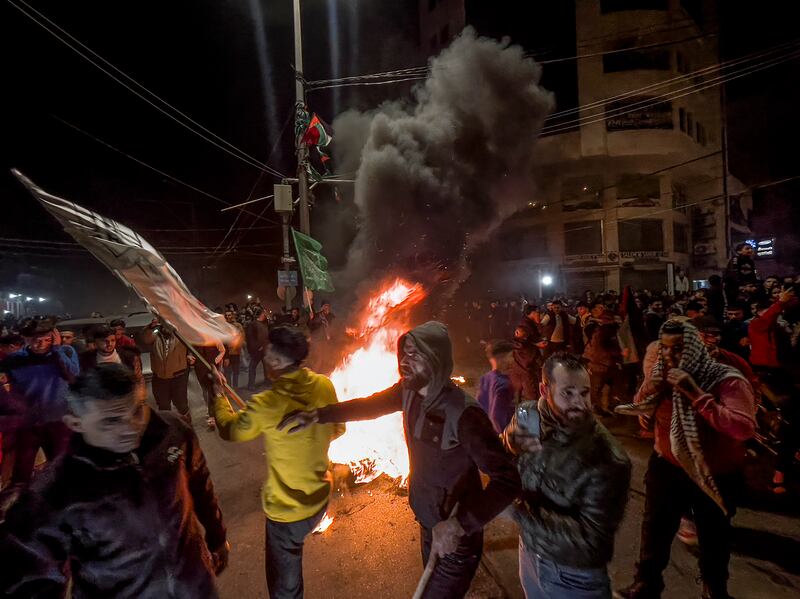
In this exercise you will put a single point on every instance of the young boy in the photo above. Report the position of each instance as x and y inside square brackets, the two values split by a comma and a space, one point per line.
[129, 510]
[496, 394]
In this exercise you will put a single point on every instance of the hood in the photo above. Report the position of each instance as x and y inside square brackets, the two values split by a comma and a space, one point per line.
[433, 342]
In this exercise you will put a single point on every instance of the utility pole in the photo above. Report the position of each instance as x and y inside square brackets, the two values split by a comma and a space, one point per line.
[302, 149]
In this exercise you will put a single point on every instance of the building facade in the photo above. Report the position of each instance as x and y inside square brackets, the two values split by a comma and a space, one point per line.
[632, 181]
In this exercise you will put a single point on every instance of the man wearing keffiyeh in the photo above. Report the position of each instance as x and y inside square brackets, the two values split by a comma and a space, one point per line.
[703, 412]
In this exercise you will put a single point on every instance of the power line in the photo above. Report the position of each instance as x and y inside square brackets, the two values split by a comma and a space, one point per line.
[673, 95]
[243, 156]
[152, 168]
[666, 83]
[327, 83]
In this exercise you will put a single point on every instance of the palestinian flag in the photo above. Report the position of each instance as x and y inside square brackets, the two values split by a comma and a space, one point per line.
[315, 134]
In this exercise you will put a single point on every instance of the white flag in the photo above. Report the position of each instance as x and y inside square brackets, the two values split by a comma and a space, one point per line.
[140, 266]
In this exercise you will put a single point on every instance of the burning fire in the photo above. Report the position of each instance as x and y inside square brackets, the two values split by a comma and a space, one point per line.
[376, 446]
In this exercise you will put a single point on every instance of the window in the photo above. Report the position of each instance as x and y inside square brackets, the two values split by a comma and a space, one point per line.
[680, 237]
[607, 6]
[631, 60]
[700, 132]
[690, 124]
[694, 8]
[681, 63]
[639, 112]
[638, 190]
[583, 237]
[682, 118]
[444, 35]
[679, 198]
[641, 235]
[582, 193]
[519, 243]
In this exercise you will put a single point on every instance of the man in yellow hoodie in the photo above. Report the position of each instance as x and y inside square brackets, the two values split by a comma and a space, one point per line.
[298, 485]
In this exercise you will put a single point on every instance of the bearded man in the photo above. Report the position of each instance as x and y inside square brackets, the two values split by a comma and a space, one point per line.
[450, 439]
[575, 478]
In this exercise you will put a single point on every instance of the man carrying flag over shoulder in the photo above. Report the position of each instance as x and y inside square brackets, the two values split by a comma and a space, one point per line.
[298, 486]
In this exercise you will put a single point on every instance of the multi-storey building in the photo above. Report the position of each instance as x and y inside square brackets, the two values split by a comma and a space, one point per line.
[632, 183]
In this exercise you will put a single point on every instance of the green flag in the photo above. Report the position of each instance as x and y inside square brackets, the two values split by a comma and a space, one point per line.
[313, 265]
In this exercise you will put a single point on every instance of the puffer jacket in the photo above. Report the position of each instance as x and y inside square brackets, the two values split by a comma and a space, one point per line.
[129, 524]
[574, 493]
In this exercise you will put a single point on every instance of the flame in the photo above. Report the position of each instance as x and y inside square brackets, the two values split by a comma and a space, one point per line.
[378, 446]
[459, 380]
[323, 525]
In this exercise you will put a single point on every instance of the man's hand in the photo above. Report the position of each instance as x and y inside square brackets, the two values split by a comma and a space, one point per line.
[521, 442]
[446, 536]
[542, 344]
[298, 421]
[683, 381]
[220, 558]
[190, 359]
[56, 334]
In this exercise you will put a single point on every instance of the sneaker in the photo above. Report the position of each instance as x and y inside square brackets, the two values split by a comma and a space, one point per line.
[638, 590]
[687, 533]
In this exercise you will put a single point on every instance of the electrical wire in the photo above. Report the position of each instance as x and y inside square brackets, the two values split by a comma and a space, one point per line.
[666, 83]
[243, 156]
[424, 70]
[668, 96]
[152, 168]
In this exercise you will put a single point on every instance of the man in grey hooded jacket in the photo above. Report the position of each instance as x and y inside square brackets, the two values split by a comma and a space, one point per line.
[450, 439]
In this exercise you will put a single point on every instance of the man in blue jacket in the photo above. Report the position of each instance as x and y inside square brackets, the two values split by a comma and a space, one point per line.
[36, 378]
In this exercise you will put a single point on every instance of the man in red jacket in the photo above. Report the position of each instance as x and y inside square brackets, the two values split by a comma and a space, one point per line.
[704, 412]
[763, 332]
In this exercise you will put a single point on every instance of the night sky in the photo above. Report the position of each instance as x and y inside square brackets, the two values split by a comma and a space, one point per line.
[203, 57]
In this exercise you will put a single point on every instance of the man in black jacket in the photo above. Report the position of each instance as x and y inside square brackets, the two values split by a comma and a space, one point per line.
[450, 439]
[107, 351]
[122, 510]
[575, 479]
[256, 335]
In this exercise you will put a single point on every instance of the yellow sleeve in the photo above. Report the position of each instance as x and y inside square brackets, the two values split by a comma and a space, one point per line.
[244, 425]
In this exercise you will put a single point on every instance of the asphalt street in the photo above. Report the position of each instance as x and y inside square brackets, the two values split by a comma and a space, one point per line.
[372, 547]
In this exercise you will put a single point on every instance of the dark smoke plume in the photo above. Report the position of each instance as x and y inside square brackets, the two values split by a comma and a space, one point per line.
[436, 175]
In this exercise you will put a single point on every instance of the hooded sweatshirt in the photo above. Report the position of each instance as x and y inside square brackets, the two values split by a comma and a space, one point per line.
[449, 437]
[298, 484]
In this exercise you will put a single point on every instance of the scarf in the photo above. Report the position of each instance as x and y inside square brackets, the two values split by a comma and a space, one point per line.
[684, 438]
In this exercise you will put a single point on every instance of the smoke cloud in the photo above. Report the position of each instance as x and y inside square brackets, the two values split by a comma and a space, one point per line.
[436, 175]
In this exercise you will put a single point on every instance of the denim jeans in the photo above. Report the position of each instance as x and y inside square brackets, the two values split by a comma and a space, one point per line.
[453, 573]
[543, 579]
[283, 555]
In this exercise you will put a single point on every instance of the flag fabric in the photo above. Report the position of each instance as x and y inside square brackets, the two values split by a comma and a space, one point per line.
[140, 266]
[313, 265]
[316, 135]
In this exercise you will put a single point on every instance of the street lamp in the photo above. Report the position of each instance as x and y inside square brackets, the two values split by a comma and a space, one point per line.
[547, 280]
[42, 299]
[27, 299]
[249, 297]
[13, 295]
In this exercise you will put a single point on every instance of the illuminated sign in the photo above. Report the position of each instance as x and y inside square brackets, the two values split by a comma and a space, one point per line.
[764, 248]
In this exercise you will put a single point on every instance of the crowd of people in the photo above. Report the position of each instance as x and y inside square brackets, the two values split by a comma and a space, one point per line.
[125, 506]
